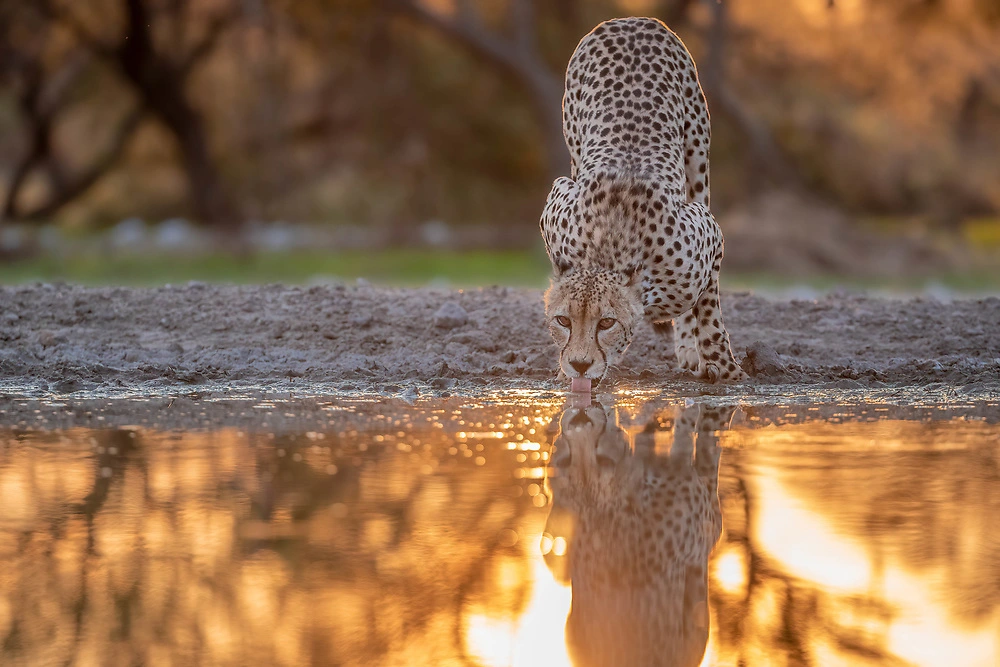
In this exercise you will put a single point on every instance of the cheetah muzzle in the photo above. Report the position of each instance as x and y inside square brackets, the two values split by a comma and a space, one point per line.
[630, 234]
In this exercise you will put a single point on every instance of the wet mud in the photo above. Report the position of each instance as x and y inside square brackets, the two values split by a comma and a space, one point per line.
[208, 340]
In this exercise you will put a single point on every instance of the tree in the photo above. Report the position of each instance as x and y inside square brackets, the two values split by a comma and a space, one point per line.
[43, 93]
[764, 150]
[515, 55]
[158, 77]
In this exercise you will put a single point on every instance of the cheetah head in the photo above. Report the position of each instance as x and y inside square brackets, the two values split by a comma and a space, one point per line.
[591, 314]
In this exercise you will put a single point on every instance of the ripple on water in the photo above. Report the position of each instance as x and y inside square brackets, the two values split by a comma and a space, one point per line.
[319, 531]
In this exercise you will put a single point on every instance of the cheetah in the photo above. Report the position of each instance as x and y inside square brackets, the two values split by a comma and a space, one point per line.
[639, 527]
[630, 234]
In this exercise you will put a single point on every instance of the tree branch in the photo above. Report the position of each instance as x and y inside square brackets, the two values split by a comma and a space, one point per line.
[517, 59]
[763, 147]
[522, 18]
[54, 94]
[180, 10]
[60, 14]
[217, 25]
[466, 29]
[40, 101]
[86, 178]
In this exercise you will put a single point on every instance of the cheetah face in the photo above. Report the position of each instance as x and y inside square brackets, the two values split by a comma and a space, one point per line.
[591, 458]
[591, 315]
[589, 437]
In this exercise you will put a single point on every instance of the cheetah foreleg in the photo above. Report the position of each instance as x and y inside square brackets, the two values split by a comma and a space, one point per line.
[716, 360]
[686, 343]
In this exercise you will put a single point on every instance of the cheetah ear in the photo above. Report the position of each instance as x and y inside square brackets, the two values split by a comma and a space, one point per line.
[561, 266]
[633, 275]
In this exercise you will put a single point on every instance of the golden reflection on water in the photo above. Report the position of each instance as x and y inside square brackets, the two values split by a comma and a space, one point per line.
[506, 535]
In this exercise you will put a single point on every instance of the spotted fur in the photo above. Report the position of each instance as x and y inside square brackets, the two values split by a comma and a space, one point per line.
[635, 212]
[639, 527]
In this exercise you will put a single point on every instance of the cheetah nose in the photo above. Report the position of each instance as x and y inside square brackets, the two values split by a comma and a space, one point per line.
[581, 366]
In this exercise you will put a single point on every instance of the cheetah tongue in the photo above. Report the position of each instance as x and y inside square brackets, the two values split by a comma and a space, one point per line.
[580, 385]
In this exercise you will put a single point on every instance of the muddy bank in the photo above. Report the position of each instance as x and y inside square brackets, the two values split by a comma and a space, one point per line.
[58, 339]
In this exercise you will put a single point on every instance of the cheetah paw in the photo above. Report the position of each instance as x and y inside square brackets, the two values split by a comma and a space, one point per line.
[738, 376]
[710, 373]
[713, 374]
[687, 358]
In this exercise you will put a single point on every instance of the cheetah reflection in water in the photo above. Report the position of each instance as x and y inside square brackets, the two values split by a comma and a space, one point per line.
[639, 527]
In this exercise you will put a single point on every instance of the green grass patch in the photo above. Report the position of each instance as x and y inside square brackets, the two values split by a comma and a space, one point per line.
[983, 232]
[972, 281]
[400, 267]
[394, 267]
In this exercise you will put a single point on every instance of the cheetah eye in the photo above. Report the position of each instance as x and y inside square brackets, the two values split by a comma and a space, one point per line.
[563, 321]
[606, 323]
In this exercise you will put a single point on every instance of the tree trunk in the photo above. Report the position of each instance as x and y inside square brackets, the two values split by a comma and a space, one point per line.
[675, 12]
[764, 150]
[160, 83]
[39, 124]
[209, 199]
[546, 94]
[37, 152]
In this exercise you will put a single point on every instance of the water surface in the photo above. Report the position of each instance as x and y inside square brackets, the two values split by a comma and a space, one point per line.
[528, 533]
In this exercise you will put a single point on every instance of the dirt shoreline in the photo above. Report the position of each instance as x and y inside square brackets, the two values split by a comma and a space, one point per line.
[62, 340]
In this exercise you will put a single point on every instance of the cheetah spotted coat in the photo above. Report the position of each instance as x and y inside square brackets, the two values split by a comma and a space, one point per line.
[637, 127]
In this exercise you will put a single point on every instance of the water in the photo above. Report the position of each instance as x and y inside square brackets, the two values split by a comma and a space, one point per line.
[525, 532]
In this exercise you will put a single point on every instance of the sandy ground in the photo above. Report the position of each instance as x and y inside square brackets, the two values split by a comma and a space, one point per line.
[67, 340]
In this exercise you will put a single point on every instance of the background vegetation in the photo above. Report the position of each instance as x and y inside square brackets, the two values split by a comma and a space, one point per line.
[388, 114]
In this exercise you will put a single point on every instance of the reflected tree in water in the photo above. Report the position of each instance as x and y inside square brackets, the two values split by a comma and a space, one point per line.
[394, 540]
[222, 548]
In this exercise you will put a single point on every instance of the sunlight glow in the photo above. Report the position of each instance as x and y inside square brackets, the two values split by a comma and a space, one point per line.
[536, 637]
[921, 632]
[844, 11]
[807, 547]
[730, 569]
[859, 557]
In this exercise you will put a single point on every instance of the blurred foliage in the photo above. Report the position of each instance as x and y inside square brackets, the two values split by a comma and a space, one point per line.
[398, 111]
[405, 267]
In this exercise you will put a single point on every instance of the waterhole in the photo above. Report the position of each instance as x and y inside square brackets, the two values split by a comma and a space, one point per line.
[521, 532]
